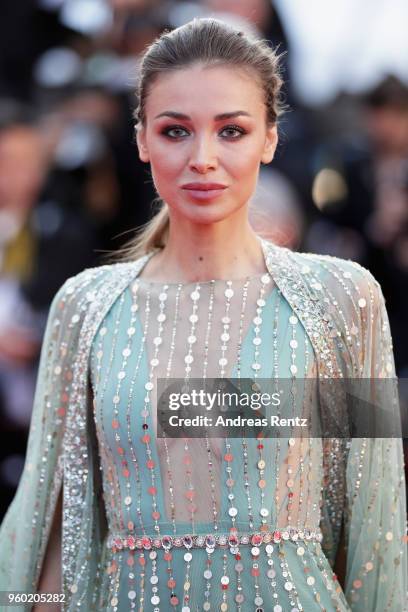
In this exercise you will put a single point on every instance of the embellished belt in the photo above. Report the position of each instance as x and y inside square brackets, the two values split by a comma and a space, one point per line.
[210, 541]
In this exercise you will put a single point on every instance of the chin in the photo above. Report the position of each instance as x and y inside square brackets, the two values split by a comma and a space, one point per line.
[200, 212]
[206, 215]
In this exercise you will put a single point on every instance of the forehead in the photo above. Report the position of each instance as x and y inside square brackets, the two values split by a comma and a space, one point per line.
[202, 90]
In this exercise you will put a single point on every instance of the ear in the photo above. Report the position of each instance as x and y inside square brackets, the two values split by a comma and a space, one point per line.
[141, 143]
[271, 141]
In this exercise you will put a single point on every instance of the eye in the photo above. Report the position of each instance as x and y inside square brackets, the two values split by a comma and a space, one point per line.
[175, 131]
[233, 132]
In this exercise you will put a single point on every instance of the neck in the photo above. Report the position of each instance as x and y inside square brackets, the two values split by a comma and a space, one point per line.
[203, 252]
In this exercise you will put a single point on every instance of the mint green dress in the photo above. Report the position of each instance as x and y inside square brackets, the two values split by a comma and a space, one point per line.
[207, 523]
[296, 574]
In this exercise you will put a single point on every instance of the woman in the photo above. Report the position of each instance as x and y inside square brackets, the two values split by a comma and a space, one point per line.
[160, 523]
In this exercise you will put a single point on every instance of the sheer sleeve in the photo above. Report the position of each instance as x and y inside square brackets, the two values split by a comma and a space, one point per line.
[25, 530]
[375, 515]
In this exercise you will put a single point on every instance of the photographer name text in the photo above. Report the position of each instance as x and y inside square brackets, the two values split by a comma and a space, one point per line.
[238, 421]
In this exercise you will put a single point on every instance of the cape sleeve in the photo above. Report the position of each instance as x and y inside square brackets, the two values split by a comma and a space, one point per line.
[375, 512]
[364, 490]
[26, 526]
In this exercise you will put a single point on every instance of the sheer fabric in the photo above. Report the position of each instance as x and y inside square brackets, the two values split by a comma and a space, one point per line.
[311, 486]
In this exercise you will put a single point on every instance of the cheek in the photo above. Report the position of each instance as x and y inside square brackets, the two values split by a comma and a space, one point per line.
[167, 167]
[244, 175]
[243, 162]
[165, 164]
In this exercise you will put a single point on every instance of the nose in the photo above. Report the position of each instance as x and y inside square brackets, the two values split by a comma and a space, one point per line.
[203, 155]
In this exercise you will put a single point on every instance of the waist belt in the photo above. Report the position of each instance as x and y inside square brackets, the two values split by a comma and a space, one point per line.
[211, 541]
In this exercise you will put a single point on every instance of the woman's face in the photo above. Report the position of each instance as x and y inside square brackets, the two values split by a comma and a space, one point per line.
[205, 136]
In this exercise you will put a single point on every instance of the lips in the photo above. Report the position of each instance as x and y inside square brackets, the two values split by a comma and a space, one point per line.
[203, 186]
[204, 192]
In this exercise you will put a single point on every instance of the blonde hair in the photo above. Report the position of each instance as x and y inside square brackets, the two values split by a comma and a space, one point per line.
[211, 42]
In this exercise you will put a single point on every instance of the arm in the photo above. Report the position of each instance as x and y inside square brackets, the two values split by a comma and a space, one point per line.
[27, 523]
[50, 580]
[340, 562]
[62, 452]
[375, 518]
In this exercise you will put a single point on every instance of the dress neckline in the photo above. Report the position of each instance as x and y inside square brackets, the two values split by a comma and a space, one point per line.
[214, 281]
[246, 278]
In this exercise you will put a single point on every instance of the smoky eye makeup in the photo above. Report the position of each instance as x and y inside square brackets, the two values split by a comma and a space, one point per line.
[227, 132]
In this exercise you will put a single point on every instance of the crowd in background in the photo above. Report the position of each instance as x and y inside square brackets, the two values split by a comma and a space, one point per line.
[72, 188]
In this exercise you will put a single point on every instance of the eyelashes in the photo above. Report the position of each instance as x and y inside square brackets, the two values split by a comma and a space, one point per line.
[178, 132]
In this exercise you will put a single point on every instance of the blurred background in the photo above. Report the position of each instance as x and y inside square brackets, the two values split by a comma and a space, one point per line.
[72, 187]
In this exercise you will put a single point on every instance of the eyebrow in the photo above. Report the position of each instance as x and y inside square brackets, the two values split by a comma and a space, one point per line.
[221, 117]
